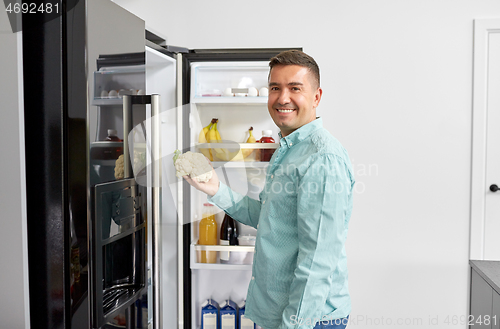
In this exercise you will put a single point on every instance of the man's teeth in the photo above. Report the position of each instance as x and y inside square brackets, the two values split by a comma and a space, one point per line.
[285, 111]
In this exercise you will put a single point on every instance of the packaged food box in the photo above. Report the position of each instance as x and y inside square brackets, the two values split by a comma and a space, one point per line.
[210, 314]
[229, 315]
[244, 322]
[247, 240]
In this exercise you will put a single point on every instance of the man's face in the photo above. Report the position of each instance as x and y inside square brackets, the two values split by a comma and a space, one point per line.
[293, 97]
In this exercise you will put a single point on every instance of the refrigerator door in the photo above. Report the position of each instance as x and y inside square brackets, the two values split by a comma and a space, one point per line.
[164, 131]
[115, 52]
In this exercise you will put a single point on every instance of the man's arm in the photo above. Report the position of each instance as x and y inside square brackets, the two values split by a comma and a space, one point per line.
[243, 209]
[322, 206]
[239, 207]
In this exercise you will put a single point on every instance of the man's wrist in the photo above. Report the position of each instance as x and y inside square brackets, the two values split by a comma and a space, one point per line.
[216, 190]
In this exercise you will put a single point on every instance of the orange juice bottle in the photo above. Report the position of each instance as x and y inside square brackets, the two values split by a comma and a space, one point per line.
[208, 233]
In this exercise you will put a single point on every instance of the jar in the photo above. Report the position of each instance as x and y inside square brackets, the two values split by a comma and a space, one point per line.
[112, 136]
[266, 154]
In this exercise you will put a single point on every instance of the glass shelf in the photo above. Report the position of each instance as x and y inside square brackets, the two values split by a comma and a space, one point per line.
[231, 145]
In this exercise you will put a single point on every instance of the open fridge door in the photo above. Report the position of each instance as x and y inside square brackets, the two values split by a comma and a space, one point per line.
[166, 202]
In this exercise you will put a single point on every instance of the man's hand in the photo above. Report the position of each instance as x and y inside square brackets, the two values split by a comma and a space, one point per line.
[211, 187]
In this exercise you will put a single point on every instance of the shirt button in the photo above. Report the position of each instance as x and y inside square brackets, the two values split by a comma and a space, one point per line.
[257, 225]
[291, 144]
[272, 176]
[253, 278]
[264, 202]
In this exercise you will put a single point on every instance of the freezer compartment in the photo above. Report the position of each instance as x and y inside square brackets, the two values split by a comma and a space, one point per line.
[228, 79]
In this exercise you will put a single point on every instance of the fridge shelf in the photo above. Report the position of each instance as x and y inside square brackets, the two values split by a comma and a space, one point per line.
[232, 145]
[231, 100]
[225, 267]
[240, 164]
[195, 248]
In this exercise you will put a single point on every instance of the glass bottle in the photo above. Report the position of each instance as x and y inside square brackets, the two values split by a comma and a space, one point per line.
[208, 233]
[228, 236]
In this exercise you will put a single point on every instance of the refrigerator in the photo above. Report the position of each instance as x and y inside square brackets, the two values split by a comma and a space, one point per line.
[112, 232]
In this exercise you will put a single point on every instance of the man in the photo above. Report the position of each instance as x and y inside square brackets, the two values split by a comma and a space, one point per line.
[299, 274]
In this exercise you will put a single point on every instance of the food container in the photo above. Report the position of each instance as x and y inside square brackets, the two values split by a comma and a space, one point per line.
[246, 240]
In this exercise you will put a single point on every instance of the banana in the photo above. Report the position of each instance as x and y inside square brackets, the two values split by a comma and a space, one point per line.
[212, 138]
[203, 139]
[251, 139]
[203, 133]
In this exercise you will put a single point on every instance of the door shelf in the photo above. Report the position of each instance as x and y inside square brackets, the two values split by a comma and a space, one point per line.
[244, 263]
[107, 101]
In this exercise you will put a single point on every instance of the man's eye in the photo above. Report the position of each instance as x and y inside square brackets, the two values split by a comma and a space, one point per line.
[274, 88]
[295, 88]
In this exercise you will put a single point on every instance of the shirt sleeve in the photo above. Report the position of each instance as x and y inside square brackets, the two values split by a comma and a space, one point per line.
[242, 208]
[322, 208]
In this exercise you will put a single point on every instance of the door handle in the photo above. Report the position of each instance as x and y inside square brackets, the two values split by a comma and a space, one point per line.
[494, 188]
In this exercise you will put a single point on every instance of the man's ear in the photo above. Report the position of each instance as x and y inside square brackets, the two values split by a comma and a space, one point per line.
[317, 97]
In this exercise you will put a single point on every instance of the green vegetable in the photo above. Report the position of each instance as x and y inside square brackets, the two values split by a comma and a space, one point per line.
[176, 155]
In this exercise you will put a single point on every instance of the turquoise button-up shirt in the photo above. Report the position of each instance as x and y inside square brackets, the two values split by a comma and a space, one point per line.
[299, 272]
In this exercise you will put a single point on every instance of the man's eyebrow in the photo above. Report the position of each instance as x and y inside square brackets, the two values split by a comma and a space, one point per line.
[289, 84]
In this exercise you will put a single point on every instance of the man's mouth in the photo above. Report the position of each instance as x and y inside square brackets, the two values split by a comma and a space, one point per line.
[285, 110]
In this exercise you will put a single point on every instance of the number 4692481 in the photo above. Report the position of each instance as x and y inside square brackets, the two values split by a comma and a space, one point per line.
[32, 8]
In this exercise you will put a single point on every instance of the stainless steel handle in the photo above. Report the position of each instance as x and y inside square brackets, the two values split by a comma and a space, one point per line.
[127, 127]
[155, 204]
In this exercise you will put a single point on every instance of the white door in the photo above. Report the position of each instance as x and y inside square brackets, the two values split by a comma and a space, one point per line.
[485, 201]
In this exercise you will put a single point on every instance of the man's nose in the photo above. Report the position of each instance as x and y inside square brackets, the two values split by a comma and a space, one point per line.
[284, 97]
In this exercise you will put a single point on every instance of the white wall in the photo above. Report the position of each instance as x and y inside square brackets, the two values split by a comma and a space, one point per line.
[397, 82]
[14, 301]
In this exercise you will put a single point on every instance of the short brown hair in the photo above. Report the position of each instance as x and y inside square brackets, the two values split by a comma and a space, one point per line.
[296, 57]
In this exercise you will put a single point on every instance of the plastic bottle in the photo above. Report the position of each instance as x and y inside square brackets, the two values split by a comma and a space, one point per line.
[112, 136]
[266, 154]
[208, 233]
[228, 237]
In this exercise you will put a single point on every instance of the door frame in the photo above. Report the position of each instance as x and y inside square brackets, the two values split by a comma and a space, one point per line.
[483, 28]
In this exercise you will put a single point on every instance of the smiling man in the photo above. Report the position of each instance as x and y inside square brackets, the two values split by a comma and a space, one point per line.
[299, 274]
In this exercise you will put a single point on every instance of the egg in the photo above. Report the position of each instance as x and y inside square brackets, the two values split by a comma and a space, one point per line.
[228, 92]
[133, 92]
[104, 94]
[113, 93]
[264, 92]
[140, 92]
[252, 92]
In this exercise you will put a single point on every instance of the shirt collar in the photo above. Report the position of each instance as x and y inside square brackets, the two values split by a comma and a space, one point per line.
[301, 133]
